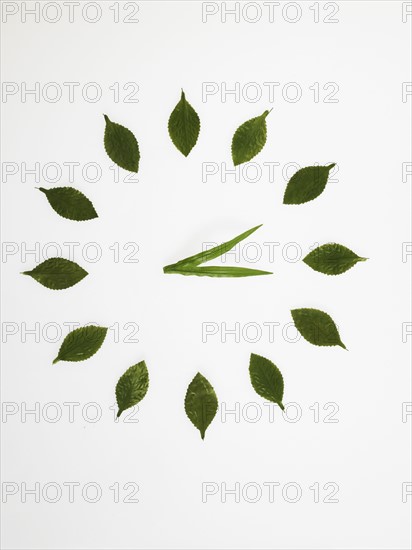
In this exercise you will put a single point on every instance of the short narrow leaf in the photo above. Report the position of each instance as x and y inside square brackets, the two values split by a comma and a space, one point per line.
[307, 184]
[249, 139]
[57, 273]
[317, 327]
[132, 387]
[216, 251]
[121, 146]
[184, 126]
[81, 343]
[70, 203]
[200, 403]
[332, 259]
[266, 379]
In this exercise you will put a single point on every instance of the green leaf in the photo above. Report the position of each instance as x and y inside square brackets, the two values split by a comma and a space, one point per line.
[217, 271]
[81, 343]
[121, 146]
[249, 139]
[307, 184]
[184, 126]
[57, 273]
[188, 266]
[332, 259]
[266, 379]
[216, 251]
[200, 403]
[317, 327]
[132, 387]
[70, 203]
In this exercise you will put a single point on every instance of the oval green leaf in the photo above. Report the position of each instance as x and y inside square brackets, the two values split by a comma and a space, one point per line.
[307, 184]
[249, 139]
[70, 203]
[57, 273]
[132, 387]
[332, 259]
[184, 126]
[81, 343]
[317, 327]
[200, 403]
[121, 146]
[266, 378]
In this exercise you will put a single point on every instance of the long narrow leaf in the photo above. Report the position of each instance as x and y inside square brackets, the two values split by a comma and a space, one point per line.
[215, 271]
[214, 252]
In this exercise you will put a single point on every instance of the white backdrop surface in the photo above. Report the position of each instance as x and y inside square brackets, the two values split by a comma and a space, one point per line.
[167, 214]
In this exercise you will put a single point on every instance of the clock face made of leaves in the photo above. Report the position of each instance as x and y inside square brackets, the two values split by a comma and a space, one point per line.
[316, 326]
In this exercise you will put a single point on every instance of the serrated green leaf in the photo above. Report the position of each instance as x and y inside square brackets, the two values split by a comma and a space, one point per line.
[317, 327]
[121, 146]
[184, 126]
[132, 387]
[307, 184]
[57, 273]
[249, 139]
[188, 266]
[81, 343]
[266, 379]
[200, 403]
[332, 259]
[70, 203]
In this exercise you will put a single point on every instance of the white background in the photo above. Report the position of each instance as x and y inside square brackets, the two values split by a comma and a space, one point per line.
[170, 212]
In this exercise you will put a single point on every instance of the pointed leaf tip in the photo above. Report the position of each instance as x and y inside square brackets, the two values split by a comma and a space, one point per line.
[184, 126]
[306, 184]
[121, 146]
[70, 203]
[316, 327]
[249, 139]
[80, 344]
[57, 273]
[201, 403]
[132, 386]
[266, 379]
[332, 259]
